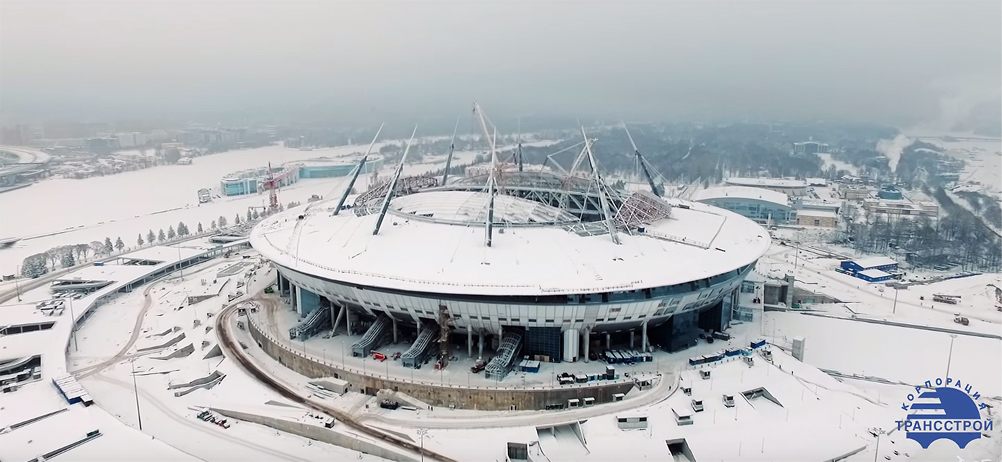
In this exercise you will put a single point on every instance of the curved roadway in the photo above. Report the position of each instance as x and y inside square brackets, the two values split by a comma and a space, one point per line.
[232, 350]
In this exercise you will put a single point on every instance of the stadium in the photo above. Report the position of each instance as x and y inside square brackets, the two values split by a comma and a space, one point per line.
[520, 262]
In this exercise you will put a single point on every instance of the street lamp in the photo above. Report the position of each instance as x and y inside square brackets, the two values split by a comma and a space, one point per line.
[422, 432]
[135, 389]
[949, 357]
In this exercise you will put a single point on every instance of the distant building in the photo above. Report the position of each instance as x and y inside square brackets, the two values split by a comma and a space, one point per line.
[891, 209]
[890, 192]
[327, 167]
[131, 139]
[873, 269]
[760, 205]
[102, 144]
[810, 147]
[171, 152]
[853, 192]
[253, 180]
[788, 186]
[821, 218]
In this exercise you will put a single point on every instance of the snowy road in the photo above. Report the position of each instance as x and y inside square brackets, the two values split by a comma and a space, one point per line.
[239, 445]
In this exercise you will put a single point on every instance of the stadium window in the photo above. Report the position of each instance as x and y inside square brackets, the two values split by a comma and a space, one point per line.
[614, 310]
[503, 319]
[515, 320]
[532, 320]
[549, 320]
[579, 320]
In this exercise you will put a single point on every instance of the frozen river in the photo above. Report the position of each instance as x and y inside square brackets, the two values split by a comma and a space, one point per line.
[65, 211]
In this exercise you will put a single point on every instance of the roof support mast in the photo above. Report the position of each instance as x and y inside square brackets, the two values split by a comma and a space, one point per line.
[492, 179]
[354, 175]
[452, 149]
[643, 164]
[491, 192]
[393, 184]
[601, 188]
[519, 149]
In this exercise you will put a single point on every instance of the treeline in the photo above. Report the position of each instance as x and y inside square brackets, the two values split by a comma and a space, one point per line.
[66, 256]
[958, 238]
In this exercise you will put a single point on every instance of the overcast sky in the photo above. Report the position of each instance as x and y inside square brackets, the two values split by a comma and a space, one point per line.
[899, 62]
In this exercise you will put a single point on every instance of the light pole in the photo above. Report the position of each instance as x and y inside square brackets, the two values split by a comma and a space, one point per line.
[73, 325]
[422, 432]
[135, 389]
[949, 357]
[895, 308]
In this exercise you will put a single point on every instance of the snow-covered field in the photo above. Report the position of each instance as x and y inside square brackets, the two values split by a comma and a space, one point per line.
[130, 203]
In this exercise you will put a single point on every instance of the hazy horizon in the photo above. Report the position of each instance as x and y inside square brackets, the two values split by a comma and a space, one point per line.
[893, 62]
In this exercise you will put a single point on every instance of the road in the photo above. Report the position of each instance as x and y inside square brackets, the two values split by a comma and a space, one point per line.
[151, 400]
[832, 278]
[136, 330]
[232, 350]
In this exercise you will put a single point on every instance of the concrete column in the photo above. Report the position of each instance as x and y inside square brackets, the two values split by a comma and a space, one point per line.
[571, 348]
[394, 320]
[299, 301]
[608, 341]
[643, 341]
[340, 314]
[500, 334]
[469, 342]
[480, 347]
[347, 319]
[633, 339]
[586, 338]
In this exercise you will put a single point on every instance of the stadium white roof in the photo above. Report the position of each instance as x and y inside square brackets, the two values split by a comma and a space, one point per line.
[767, 182]
[742, 192]
[425, 256]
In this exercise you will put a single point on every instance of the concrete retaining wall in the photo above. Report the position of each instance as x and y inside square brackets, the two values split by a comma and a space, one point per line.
[318, 433]
[484, 398]
[199, 381]
[178, 353]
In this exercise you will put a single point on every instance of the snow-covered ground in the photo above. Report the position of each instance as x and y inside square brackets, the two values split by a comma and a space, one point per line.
[132, 203]
[172, 419]
[982, 158]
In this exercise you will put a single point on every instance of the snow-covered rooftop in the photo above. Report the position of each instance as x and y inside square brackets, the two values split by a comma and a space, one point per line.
[408, 254]
[873, 262]
[742, 192]
[816, 213]
[874, 273]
